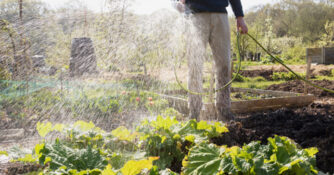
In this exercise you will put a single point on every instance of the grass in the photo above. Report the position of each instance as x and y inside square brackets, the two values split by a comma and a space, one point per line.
[245, 64]
[324, 78]
[255, 84]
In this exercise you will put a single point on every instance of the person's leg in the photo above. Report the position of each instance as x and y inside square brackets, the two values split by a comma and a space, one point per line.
[220, 42]
[197, 39]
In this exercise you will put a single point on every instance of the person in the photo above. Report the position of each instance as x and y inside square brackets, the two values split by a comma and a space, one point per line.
[210, 24]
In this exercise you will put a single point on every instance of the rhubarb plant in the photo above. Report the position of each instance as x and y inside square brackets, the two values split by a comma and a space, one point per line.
[163, 147]
[280, 156]
[170, 139]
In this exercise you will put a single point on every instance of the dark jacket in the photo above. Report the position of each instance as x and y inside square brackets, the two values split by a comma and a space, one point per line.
[218, 6]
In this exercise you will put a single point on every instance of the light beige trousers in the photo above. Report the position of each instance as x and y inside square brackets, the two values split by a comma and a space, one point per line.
[212, 28]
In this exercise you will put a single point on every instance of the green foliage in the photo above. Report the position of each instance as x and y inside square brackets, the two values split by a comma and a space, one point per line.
[267, 60]
[3, 153]
[259, 79]
[170, 139]
[123, 134]
[326, 39]
[293, 55]
[28, 158]
[283, 28]
[286, 76]
[133, 167]
[65, 160]
[280, 156]
[203, 159]
[171, 112]
[289, 158]
[86, 103]
[59, 55]
[144, 82]
[4, 74]
[240, 78]
[59, 155]
[78, 128]
[82, 136]
[155, 171]
[161, 144]
[44, 128]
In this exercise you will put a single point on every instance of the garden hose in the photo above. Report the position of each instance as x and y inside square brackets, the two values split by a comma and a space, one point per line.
[239, 68]
[282, 63]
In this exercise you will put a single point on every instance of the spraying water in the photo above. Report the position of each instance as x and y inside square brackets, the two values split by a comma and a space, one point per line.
[133, 53]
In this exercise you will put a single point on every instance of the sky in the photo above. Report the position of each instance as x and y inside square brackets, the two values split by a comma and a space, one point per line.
[149, 6]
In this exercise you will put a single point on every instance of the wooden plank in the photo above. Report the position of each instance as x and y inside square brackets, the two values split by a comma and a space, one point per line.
[283, 99]
[308, 73]
[329, 55]
[316, 54]
[271, 104]
[323, 55]
[240, 107]
[254, 91]
[314, 51]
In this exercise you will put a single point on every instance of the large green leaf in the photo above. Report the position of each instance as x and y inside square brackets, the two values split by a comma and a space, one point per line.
[171, 140]
[164, 123]
[134, 167]
[4, 153]
[203, 159]
[44, 128]
[78, 159]
[123, 134]
[289, 158]
[108, 171]
[280, 156]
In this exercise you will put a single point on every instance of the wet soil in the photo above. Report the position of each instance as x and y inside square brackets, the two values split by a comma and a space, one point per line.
[18, 168]
[267, 73]
[325, 72]
[299, 86]
[316, 70]
[312, 126]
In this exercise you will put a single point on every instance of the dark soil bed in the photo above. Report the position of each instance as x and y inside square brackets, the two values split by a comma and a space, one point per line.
[299, 86]
[311, 126]
[18, 168]
[267, 73]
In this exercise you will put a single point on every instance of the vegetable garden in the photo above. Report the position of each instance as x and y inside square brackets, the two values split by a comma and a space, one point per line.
[90, 92]
[163, 146]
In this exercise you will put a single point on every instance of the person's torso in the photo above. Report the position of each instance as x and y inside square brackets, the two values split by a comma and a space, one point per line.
[198, 6]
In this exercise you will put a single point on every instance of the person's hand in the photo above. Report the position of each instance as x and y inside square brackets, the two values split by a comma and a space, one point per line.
[242, 26]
